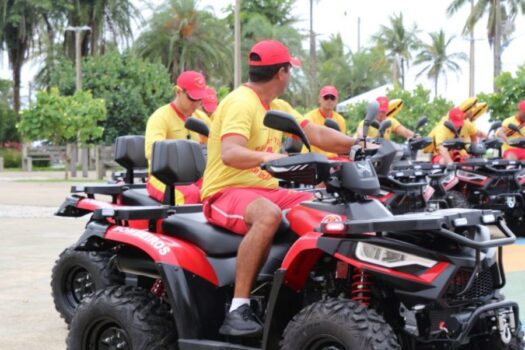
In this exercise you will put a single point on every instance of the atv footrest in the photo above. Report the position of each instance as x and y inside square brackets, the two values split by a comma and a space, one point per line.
[193, 344]
[132, 213]
[90, 190]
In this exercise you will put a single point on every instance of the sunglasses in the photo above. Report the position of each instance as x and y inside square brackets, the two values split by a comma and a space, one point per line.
[329, 97]
[189, 97]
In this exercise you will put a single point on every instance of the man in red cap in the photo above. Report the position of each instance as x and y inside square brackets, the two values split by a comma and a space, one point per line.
[328, 97]
[210, 101]
[441, 134]
[167, 123]
[507, 134]
[382, 114]
[236, 193]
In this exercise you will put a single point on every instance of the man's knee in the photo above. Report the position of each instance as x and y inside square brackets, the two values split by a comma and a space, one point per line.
[263, 211]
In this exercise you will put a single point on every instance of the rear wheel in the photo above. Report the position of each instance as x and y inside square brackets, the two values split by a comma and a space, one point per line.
[516, 224]
[77, 275]
[124, 318]
[338, 325]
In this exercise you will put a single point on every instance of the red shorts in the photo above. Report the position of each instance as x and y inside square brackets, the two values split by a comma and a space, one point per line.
[191, 193]
[456, 156]
[514, 153]
[226, 208]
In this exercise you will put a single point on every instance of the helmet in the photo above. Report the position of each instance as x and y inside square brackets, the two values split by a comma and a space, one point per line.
[394, 107]
[466, 105]
[479, 109]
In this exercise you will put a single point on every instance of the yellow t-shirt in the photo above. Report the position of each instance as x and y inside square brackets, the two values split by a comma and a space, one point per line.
[242, 113]
[468, 131]
[510, 133]
[373, 132]
[316, 117]
[166, 124]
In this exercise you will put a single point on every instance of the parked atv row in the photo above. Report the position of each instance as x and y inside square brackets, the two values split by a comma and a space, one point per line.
[343, 272]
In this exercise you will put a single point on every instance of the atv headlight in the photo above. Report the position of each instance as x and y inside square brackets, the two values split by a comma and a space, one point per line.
[389, 257]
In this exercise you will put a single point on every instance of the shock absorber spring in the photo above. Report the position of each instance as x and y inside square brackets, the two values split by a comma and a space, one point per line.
[361, 287]
[158, 289]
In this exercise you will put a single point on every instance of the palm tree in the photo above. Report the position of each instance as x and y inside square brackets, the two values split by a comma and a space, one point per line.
[499, 12]
[436, 59]
[182, 37]
[398, 42]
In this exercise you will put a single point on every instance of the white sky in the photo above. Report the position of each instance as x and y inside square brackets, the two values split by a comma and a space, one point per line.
[340, 16]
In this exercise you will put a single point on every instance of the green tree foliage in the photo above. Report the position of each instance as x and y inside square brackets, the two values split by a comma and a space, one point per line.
[181, 37]
[511, 90]
[278, 12]
[132, 88]
[437, 60]
[417, 103]
[399, 42]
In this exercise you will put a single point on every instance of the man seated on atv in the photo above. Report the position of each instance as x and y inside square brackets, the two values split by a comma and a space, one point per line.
[167, 123]
[507, 134]
[384, 113]
[440, 134]
[328, 97]
[236, 193]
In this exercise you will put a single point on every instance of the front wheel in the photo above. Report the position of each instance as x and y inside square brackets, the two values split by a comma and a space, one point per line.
[124, 318]
[338, 325]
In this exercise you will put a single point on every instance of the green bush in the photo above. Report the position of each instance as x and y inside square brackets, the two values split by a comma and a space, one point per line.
[12, 157]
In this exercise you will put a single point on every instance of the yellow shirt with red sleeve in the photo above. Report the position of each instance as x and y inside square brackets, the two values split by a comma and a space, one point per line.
[441, 133]
[242, 113]
[317, 117]
[166, 123]
[373, 132]
[510, 133]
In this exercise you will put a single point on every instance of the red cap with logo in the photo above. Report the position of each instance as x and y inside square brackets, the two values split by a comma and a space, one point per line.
[328, 90]
[521, 106]
[457, 117]
[271, 52]
[210, 101]
[194, 83]
[383, 103]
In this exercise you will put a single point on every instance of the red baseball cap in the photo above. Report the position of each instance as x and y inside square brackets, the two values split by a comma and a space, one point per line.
[521, 106]
[457, 117]
[383, 103]
[328, 90]
[271, 52]
[194, 83]
[210, 101]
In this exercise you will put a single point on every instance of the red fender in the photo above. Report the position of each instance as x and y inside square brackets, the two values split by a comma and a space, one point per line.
[165, 249]
[304, 220]
[93, 204]
[300, 259]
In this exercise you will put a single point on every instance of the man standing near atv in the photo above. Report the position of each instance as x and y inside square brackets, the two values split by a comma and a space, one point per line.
[167, 123]
[328, 98]
[237, 194]
[507, 134]
[383, 114]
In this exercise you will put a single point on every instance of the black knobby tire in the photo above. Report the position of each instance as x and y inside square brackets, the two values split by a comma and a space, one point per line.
[456, 199]
[77, 275]
[125, 318]
[338, 325]
[516, 224]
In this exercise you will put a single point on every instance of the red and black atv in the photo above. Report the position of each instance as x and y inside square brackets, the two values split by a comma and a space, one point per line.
[343, 273]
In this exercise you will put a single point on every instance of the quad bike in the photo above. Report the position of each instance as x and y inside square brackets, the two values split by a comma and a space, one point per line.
[342, 273]
[491, 183]
[77, 273]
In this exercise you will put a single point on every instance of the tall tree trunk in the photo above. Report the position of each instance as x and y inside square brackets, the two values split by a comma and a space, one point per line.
[313, 53]
[17, 68]
[497, 42]
[403, 73]
[436, 86]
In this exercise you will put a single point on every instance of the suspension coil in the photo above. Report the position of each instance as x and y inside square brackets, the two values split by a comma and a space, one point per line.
[158, 289]
[361, 287]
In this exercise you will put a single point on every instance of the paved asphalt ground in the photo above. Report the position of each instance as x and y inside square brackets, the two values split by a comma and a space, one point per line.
[31, 239]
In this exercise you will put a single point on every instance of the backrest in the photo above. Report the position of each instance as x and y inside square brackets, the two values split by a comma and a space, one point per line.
[177, 162]
[129, 151]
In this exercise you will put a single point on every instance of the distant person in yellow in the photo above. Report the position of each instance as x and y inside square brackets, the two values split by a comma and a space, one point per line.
[167, 123]
[440, 134]
[382, 114]
[210, 102]
[328, 98]
[507, 134]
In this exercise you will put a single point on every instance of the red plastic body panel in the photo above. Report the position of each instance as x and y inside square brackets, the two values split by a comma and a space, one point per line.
[165, 249]
[300, 259]
[304, 220]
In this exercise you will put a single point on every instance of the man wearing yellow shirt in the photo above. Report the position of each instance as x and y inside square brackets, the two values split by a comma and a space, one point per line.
[210, 102]
[167, 123]
[441, 133]
[328, 97]
[507, 134]
[382, 114]
[236, 193]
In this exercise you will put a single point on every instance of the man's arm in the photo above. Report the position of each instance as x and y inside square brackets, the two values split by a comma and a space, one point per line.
[328, 139]
[445, 154]
[402, 131]
[359, 132]
[156, 130]
[502, 135]
[235, 154]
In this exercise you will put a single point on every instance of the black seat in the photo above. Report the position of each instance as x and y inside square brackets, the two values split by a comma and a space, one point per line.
[213, 240]
[138, 196]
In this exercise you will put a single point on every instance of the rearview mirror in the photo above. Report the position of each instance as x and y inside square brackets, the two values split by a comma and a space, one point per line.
[494, 126]
[197, 125]
[422, 121]
[371, 113]
[451, 127]
[375, 124]
[286, 123]
[330, 123]
[515, 128]
[385, 124]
